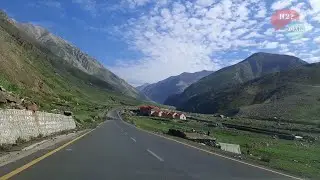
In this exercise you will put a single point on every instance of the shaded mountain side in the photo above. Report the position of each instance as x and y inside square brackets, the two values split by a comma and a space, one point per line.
[253, 67]
[291, 95]
[28, 69]
[161, 90]
[140, 88]
[77, 58]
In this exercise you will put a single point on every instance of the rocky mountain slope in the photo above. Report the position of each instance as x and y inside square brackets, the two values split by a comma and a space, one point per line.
[30, 70]
[76, 57]
[255, 66]
[161, 90]
[290, 95]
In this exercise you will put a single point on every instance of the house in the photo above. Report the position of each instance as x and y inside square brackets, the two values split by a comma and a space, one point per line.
[148, 110]
[157, 113]
[172, 115]
[167, 114]
[180, 116]
[144, 110]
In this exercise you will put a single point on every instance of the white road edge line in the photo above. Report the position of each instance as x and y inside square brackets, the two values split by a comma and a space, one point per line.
[133, 139]
[155, 155]
[210, 152]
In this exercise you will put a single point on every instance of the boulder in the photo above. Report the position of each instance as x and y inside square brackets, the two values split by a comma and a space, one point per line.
[222, 116]
[11, 98]
[33, 107]
[3, 98]
[67, 113]
[178, 133]
[2, 89]
[18, 106]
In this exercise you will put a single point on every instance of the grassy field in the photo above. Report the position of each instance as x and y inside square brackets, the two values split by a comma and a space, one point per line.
[295, 157]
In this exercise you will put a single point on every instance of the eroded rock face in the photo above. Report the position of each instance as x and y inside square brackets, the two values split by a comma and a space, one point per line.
[33, 107]
[9, 99]
[12, 101]
[2, 98]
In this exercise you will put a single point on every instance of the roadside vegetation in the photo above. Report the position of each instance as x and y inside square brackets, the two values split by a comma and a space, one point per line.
[300, 158]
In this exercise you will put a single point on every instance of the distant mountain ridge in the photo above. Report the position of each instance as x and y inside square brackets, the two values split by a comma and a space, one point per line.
[161, 90]
[256, 65]
[289, 95]
[77, 58]
[140, 88]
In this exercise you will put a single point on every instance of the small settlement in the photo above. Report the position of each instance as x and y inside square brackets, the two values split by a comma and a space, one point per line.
[157, 112]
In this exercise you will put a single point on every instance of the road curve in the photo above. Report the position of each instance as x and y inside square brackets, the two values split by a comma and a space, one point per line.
[116, 150]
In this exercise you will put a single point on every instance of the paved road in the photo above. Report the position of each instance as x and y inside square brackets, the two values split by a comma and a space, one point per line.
[118, 151]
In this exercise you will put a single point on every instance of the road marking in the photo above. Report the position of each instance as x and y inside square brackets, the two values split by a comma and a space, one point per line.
[203, 150]
[155, 155]
[133, 139]
[26, 166]
[34, 145]
[118, 126]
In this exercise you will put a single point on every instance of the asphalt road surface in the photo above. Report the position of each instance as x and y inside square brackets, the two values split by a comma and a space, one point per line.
[117, 151]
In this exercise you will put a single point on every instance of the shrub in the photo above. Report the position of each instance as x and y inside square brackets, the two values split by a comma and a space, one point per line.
[5, 147]
[40, 135]
[20, 140]
[265, 158]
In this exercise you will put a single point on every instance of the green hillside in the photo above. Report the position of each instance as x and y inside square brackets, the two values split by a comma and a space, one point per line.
[293, 95]
[30, 70]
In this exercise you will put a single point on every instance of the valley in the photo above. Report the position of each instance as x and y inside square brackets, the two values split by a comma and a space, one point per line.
[268, 105]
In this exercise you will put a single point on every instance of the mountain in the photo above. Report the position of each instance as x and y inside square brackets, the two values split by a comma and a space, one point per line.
[140, 88]
[255, 66]
[31, 71]
[289, 95]
[161, 90]
[76, 57]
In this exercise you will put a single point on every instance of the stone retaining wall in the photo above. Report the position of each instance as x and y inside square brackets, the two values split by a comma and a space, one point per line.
[23, 124]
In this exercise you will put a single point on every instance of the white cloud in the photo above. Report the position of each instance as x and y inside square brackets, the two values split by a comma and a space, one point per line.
[270, 45]
[313, 59]
[317, 40]
[315, 5]
[253, 35]
[204, 3]
[281, 4]
[137, 3]
[300, 41]
[88, 5]
[262, 10]
[316, 18]
[180, 36]
[184, 37]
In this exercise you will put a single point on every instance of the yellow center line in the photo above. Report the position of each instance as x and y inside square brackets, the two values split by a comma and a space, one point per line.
[33, 162]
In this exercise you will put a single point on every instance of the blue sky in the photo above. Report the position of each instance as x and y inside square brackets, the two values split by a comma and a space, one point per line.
[149, 40]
